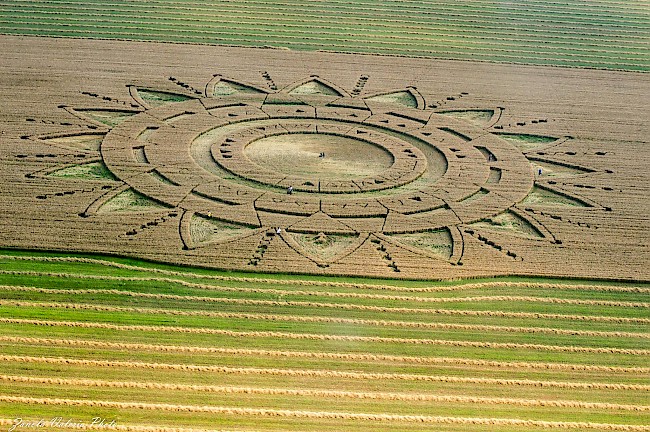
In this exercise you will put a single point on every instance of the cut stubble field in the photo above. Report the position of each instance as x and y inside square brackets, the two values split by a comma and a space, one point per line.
[245, 352]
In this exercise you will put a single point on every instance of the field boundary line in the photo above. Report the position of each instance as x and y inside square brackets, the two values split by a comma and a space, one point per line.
[319, 283]
[393, 37]
[266, 412]
[343, 45]
[327, 355]
[414, 397]
[482, 46]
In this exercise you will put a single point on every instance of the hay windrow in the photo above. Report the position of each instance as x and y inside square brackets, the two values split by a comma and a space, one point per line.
[328, 374]
[448, 312]
[284, 293]
[329, 337]
[388, 323]
[320, 393]
[318, 414]
[329, 355]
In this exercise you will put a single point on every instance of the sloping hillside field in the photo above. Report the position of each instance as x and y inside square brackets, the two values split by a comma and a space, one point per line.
[607, 34]
[147, 347]
[398, 167]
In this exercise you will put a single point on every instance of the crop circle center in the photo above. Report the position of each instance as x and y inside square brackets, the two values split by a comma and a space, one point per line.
[328, 156]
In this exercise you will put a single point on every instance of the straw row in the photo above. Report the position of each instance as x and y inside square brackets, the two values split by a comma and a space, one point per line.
[347, 321]
[343, 306]
[355, 11]
[496, 284]
[293, 32]
[317, 373]
[326, 294]
[388, 27]
[408, 397]
[318, 414]
[326, 355]
[327, 337]
[546, 8]
[473, 31]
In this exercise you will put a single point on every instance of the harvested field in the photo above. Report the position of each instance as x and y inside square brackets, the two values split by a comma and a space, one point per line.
[609, 34]
[167, 348]
[430, 169]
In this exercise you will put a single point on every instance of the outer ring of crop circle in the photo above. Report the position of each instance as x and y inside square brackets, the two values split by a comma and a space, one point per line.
[188, 120]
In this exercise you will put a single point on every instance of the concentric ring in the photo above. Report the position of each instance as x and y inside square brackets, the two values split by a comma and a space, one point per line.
[408, 162]
[191, 155]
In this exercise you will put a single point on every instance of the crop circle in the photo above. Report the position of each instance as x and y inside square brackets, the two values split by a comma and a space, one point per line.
[349, 170]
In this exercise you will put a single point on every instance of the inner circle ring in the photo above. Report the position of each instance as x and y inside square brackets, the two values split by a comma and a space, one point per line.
[408, 164]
